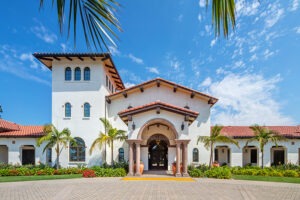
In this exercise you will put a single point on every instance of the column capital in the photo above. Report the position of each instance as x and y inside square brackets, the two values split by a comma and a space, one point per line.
[136, 141]
[182, 141]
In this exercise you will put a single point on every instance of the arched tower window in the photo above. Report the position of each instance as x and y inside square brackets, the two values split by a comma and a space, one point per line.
[121, 155]
[68, 74]
[77, 151]
[87, 108]
[77, 74]
[195, 155]
[87, 74]
[67, 110]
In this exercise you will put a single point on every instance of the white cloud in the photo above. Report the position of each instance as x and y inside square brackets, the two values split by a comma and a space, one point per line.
[43, 33]
[247, 99]
[253, 57]
[199, 17]
[213, 42]
[294, 5]
[202, 3]
[206, 82]
[135, 59]
[29, 57]
[13, 63]
[267, 53]
[297, 29]
[253, 48]
[274, 14]
[246, 8]
[113, 50]
[153, 70]
[127, 84]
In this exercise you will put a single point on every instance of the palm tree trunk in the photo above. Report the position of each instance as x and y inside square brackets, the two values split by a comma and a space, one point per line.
[57, 156]
[262, 158]
[211, 154]
[112, 153]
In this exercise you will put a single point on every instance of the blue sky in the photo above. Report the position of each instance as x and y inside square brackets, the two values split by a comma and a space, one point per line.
[255, 73]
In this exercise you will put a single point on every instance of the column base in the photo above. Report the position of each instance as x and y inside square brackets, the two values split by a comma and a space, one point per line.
[130, 174]
[138, 174]
[178, 175]
[185, 175]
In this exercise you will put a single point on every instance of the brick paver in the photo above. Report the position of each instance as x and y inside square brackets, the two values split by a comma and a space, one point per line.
[115, 188]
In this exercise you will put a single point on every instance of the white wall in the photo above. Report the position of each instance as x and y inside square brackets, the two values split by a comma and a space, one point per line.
[15, 149]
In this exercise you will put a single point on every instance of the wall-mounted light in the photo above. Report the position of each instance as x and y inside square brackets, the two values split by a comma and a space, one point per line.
[182, 126]
[246, 150]
[222, 150]
[133, 126]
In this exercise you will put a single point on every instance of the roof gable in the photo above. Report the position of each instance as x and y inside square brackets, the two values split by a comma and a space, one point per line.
[158, 106]
[157, 83]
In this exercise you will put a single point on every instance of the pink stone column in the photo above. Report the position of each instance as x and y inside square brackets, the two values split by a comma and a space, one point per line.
[138, 158]
[185, 160]
[130, 173]
[178, 159]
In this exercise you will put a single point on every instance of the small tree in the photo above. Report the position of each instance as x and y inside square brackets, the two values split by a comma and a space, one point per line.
[109, 138]
[263, 136]
[56, 138]
[215, 136]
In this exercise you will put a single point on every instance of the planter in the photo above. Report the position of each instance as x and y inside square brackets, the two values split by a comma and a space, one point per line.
[216, 164]
[141, 168]
[174, 168]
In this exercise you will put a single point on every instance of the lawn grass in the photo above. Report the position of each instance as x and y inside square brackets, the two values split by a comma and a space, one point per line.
[267, 178]
[36, 178]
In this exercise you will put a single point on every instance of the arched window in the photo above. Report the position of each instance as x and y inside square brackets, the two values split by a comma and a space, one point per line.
[86, 112]
[195, 155]
[77, 151]
[121, 155]
[68, 74]
[77, 74]
[67, 110]
[87, 74]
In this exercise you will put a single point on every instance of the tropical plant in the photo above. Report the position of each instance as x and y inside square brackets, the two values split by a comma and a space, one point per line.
[56, 138]
[215, 136]
[109, 138]
[223, 14]
[96, 18]
[98, 21]
[263, 135]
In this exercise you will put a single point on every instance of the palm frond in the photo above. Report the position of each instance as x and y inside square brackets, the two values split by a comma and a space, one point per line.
[96, 17]
[223, 14]
[226, 139]
[106, 123]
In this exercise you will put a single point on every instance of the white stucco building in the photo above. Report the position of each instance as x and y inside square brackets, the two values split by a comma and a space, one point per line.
[162, 120]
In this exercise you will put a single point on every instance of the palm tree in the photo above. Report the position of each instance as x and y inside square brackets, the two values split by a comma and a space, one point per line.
[56, 138]
[263, 136]
[96, 17]
[215, 136]
[98, 21]
[109, 138]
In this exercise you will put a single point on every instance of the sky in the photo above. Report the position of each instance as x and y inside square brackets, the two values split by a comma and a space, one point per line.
[254, 73]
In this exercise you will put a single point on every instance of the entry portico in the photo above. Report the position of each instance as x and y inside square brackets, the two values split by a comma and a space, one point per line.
[159, 125]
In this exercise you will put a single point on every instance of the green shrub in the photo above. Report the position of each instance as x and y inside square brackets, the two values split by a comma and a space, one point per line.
[275, 173]
[218, 172]
[290, 173]
[109, 172]
[196, 173]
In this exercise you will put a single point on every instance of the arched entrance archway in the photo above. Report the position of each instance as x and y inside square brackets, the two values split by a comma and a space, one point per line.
[158, 152]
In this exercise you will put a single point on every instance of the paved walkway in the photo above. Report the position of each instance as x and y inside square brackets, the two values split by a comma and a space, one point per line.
[115, 188]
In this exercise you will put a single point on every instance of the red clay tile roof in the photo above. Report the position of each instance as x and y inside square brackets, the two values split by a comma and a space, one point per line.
[212, 99]
[246, 132]
[157, 104]
[8, 126]
[9, 129]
